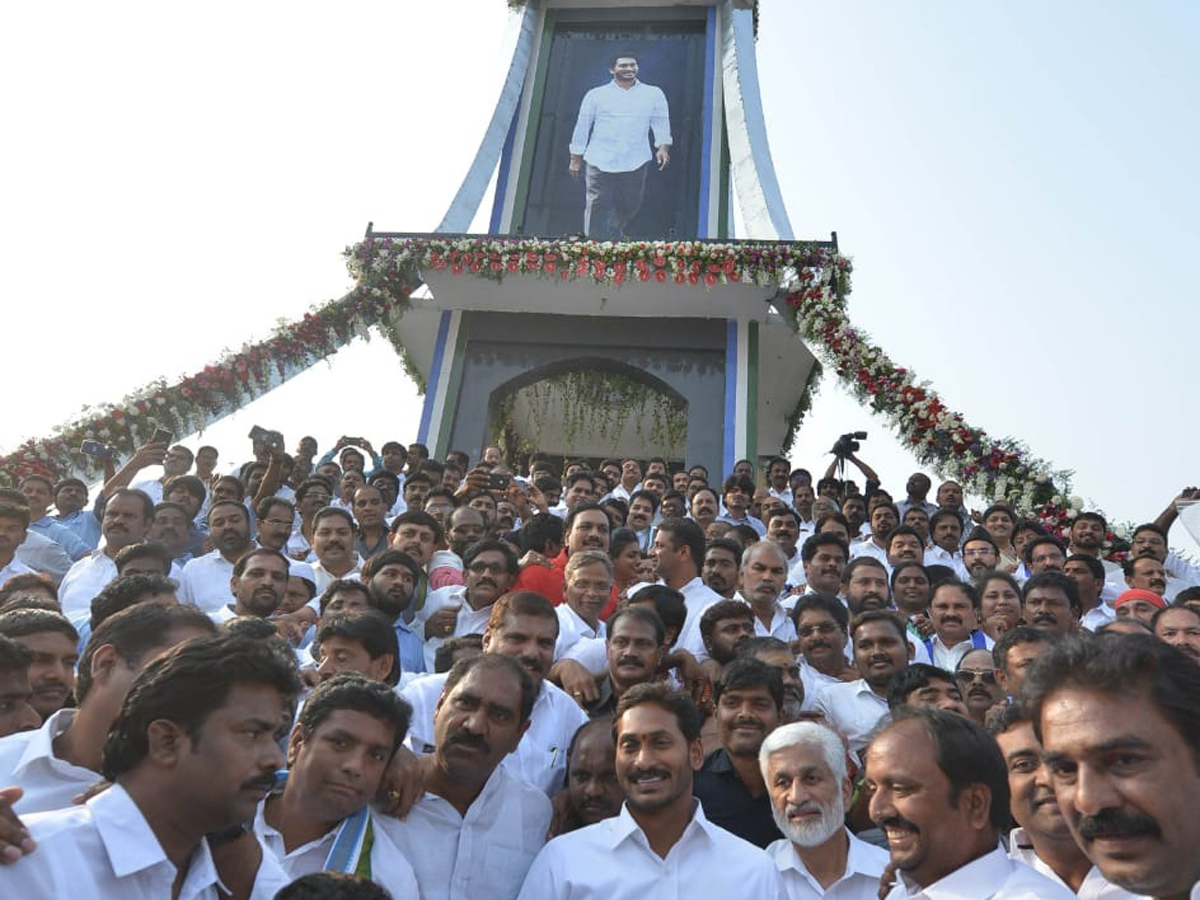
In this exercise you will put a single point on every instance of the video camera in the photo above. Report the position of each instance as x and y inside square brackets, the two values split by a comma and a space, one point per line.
[848, 443]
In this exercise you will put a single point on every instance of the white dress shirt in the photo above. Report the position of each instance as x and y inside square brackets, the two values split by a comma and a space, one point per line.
[27, 759]
[813, 680]
[469, 621]
[540, 757]
[864, 866]
[389, 868]
[1099, 616]
[483, 854]
[992, 876]
[697, 597]
[205, 582]
[85, 579]
[14, 567]
[853, 710]
[869, 548]
[781, 627]
[948, 658]
[107, 849]
[796, 576]
[1095, 886]
[612, 860]
[572, 629]
[324, 577]
[936, 556]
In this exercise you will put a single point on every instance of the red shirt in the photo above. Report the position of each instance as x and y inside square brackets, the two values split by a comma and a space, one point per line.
[549, 583]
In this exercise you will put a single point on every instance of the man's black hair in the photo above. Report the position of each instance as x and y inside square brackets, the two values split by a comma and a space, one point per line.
[669, 604]
[638, 614]
[185, 686]
[385, 558]
[126, 591]
[1134, 666]
[1054, 579]
[370, 629]
[351, 691]
[685, 532]
[491, 663]
[658, 693]
[14, 656]
[825, 539]
[417, 517]
[912, 678]
[443, 657]
[537, 531]
[491, 545]
[342, 586]
[721, 610]
[21, 622]
[134, 631]
[743, 672]
[1021, 634]
[823, 602]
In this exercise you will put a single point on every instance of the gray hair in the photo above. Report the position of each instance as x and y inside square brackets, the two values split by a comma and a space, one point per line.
[577, 561]
[800, 734]
[764, 546]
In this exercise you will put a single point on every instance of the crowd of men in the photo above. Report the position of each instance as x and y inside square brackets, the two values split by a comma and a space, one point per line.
[369, 675]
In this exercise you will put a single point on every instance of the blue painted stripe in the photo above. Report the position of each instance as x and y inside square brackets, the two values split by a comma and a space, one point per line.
[431, 383]
[706, 145]
[502, 178]
[731, 373]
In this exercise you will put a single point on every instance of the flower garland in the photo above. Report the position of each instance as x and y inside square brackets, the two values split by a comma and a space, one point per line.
[218, 389]
[998, 469]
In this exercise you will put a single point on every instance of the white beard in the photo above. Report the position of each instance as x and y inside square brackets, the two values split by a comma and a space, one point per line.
[816, 833]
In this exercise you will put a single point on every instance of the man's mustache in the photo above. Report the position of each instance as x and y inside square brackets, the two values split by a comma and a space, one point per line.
[1115, 823]
[466, 739]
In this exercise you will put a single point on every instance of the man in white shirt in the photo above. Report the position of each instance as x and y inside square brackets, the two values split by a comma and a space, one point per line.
[954, 613]
[763, 577]
[1042, 839]
[610, 139]
[523, 627]
[587, 586]
[661, 844]
[491, 567]
[259, 581]
[61, 759]
[1117, 720]
[822, 626]
[333, 532]
[177, 462]
[804, 768]
[678, 552]
[881, 649]
[127, 518]
[192, 753]
[884, 519]
[783, 527]
[939, 791]
[945, 536]
[337, 753]
[477, 829]
[54, 645]
[205, 582]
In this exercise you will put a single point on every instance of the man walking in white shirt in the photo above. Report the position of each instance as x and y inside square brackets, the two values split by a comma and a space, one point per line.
[192, 753]
[610, 141]
[804, 768]
[661, 844]
[939, 791]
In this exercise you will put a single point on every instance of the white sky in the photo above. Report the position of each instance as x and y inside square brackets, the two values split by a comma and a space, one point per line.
[1015, 183]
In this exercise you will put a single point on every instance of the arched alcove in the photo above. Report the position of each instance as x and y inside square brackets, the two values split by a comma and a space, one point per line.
[589, 407]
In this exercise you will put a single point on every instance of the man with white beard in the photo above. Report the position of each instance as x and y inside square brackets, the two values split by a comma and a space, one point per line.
[804, 766]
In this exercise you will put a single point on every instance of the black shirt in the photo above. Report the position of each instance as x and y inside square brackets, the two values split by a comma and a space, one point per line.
[727, 801]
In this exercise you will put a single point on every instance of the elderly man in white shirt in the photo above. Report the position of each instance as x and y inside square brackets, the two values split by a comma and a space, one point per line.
[477, 829]
[661, 844]
[942, 824]
[193, 753]
[522, 626]
[804, 768]
[610, 138]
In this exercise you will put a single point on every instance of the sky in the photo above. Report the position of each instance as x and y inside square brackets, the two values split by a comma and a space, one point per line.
[1014, 182]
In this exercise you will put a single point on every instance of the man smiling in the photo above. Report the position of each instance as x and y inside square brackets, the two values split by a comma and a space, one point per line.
[939, 791]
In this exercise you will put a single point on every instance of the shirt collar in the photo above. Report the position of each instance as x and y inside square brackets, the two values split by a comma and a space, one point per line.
[992, 868]
[41, 742]
[625, 827]
[132, 846]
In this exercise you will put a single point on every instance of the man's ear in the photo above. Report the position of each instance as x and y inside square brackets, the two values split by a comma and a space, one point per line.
[295, 742]
[977, 800]
[103, 662]
[696, 754]
[166, 742]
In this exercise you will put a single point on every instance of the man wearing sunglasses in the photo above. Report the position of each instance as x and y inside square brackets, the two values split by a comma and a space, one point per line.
[976, 677]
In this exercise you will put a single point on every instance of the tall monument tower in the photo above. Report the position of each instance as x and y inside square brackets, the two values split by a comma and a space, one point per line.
[622, 124]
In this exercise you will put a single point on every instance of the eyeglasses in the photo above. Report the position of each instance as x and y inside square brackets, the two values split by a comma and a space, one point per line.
[810, 630]
[982, 551]
[496, 568]
[966, 676]
[278, 523]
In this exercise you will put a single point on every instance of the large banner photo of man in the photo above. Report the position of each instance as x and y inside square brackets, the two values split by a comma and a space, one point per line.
[617, 153]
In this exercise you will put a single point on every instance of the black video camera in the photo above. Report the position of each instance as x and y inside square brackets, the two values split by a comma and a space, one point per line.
[848, 443]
